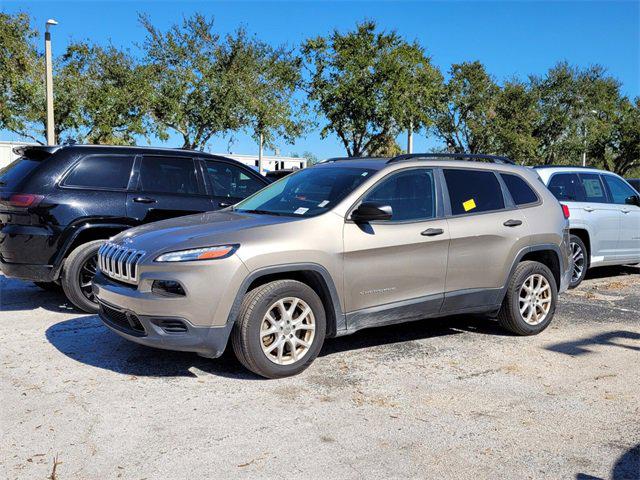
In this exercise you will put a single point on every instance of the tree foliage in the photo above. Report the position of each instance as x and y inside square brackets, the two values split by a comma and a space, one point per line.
[369, 85]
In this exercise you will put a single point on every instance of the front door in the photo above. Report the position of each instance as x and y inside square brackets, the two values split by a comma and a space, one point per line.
[397, 264]
[167, 187]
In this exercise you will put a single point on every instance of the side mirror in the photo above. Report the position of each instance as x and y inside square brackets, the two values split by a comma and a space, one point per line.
[371, 211]
[633, 200]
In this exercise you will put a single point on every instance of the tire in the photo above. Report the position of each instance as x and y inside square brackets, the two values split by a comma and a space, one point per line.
[75, 276]
[48, 286]
[580, 259]
[510, 316]
[249, 342]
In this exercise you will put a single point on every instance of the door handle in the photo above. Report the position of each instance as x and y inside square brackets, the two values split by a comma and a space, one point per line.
[512, 223]
[589, 209]
[144, 200]
[432, 232]
[625, 211]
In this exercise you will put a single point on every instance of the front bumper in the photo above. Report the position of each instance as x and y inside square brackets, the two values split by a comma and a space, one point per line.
[155, 321]
[156, 332]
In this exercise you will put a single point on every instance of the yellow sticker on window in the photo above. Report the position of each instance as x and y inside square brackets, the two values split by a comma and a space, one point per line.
[469, 205]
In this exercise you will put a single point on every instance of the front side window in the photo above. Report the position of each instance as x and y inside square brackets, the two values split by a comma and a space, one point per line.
[567, 187]
[411, 195]
[473, 191]
[520, 191]
[619, 190]
[231, 181]
[168, 175]
[101, 171]
[593, 188]
[306, 193]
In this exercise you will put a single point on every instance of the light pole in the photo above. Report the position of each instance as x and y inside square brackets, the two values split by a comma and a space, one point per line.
[584, 133]
[51, 136]
[410, 138]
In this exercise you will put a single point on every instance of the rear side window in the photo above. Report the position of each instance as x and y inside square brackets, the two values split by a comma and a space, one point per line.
[410, 194]
[231, 181]
[593, 188]
[101, 171]
[168, 175]
[520, 191]
[619, 190]
[16, 171]
[473, 191]
[566, 186]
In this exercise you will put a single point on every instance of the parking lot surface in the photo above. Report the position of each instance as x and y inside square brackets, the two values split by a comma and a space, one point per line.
[447, 398]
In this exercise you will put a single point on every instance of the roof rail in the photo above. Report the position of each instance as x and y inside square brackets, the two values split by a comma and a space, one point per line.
[566, 166]
[452, 156]
[343, 159]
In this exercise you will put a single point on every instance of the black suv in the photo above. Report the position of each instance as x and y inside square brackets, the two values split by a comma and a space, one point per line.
[59, 203]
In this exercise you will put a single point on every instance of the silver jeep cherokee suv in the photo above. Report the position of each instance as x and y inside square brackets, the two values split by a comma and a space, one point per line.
[345, 245]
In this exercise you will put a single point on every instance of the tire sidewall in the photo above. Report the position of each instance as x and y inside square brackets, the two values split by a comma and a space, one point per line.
[71, 275]
[535, 268]
[266, 366]
[578, 240]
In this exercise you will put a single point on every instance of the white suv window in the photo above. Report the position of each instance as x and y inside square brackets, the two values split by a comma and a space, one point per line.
[619, 190]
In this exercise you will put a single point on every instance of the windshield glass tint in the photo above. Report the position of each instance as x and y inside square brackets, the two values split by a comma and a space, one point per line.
[306, 193]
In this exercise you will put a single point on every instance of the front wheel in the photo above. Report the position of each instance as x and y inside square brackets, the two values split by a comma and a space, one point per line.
[280, 329]
[77, 274]
[530, 301]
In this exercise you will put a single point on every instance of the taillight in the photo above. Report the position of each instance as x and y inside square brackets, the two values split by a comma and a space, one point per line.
[23, 200]
[565, 210]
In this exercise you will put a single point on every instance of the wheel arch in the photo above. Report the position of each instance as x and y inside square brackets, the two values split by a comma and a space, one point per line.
[584, 235]
[315, 276]
[83, 233]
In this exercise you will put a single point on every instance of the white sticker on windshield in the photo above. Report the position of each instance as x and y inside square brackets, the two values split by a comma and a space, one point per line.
[323, 203]
[364, 174]
[301, 211]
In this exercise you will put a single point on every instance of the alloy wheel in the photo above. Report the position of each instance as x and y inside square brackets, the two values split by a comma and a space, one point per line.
[578, 262]
[535, 299]
[87, 272]
[287, 331]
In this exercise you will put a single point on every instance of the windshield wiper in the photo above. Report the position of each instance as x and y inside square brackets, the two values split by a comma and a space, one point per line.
[261, 212]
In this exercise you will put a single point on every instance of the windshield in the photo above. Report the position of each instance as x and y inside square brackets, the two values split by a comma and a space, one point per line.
[306, 193]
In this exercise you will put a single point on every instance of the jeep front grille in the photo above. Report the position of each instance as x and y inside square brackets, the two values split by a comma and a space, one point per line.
[118, 262]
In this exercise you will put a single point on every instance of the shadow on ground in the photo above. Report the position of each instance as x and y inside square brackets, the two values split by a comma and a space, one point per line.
[17, 295]
[86, 340]
[627, 467]
[613, 271]
[582, 346]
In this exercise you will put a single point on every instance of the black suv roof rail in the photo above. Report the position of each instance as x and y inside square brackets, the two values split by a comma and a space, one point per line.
[452, 156]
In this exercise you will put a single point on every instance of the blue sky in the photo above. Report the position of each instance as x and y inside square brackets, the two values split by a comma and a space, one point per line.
[511, 38]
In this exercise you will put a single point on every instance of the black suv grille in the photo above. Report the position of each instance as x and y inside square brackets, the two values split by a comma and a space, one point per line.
[126, 321]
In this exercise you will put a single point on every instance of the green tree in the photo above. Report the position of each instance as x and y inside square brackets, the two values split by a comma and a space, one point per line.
[369, 85]
[197, 80]
[465, 119]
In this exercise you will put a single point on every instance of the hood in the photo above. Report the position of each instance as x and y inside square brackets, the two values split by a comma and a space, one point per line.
[200, 230]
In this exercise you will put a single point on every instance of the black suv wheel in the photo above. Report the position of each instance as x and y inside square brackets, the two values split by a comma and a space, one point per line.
[280, 329]
[530, 302]
[77, 274]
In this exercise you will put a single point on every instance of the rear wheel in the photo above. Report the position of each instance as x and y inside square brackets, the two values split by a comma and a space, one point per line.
[579, 254]
[530, 302]
[77, 274]
[280, 329]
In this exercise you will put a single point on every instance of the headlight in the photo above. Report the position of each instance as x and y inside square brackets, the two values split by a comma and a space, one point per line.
[206, 253]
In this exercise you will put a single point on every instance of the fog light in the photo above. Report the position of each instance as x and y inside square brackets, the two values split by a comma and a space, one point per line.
[167, 288]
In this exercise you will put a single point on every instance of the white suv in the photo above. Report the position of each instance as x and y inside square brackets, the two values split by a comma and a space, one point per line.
[604, 216]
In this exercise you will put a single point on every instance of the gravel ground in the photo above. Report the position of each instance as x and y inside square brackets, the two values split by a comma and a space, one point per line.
[449, 398]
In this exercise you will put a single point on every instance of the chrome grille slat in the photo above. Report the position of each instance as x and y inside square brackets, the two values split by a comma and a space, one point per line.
[119, 262]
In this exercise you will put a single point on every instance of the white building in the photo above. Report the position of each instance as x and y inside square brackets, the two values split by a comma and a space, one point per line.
[269, 162]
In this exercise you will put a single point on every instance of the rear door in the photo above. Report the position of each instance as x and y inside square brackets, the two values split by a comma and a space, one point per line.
[228, 183]
[487, 231]
[167, 186]
[629, 238]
